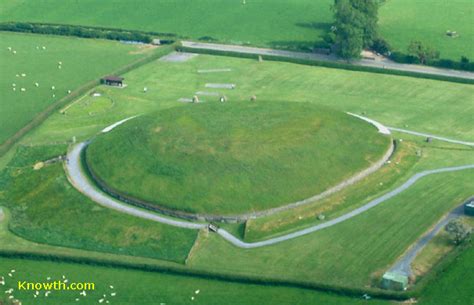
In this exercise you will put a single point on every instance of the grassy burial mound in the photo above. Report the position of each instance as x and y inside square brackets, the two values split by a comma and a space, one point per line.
[232, 158]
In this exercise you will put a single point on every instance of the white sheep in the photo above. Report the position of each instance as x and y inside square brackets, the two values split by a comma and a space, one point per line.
[37, 85]
[53, 88]
[14, 52]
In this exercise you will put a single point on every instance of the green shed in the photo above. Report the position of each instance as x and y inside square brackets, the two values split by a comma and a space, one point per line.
[469, 208]
[394, 281]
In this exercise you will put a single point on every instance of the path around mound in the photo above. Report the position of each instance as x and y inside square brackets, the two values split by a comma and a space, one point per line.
[382, 64]
[81, 182]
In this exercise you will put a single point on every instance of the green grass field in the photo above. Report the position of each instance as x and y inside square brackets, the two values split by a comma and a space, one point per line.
[82, 61]
[132, 287]
[403, 21]
[343, 255]
[232, 158]
[296, 24]
[46, 209]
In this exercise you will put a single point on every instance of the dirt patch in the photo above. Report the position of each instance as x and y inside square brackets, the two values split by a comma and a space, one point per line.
[157, 129]
[38, 166]
[142, 49]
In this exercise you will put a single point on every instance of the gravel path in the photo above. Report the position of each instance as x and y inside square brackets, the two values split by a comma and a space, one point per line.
[383, 64]
[178, 57]
[109, 128]
[403, 265]
[431, 136]
[80, 181]
[344, 217]
[381, 128]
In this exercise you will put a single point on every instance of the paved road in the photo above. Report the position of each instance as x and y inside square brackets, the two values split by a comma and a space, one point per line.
[403, 265]
[383, 64]
[426, 135]
[80, 181]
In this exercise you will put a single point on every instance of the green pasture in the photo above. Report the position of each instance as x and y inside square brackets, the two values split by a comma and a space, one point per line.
[436, 107]
[455, 284]
[46, 209]
[30, 67]
[298, 24]
[354, 253]
[403, 21]
[231, 158]
[132, 287]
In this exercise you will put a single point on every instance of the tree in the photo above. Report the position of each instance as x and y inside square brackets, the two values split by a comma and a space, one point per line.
[381, 46]
[355, 26]
[458, 231]
[423, 52]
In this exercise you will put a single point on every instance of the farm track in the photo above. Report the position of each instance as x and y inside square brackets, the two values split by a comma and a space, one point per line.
[403, 265]
[382, 64]
[80, 181]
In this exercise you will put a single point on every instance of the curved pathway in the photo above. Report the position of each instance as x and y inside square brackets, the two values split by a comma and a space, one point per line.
[403, 265]
[80, 181]
[381, 64]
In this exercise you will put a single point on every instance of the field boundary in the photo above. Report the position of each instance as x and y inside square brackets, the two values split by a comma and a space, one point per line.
[43, 115]
[336, 64]
[203, 274]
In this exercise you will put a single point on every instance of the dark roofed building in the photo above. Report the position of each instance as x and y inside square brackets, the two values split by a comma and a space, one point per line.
[469, 208]
[112, 80]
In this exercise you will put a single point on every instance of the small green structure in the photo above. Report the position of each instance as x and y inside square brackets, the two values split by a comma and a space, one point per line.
[469, 208]
[394, 281]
